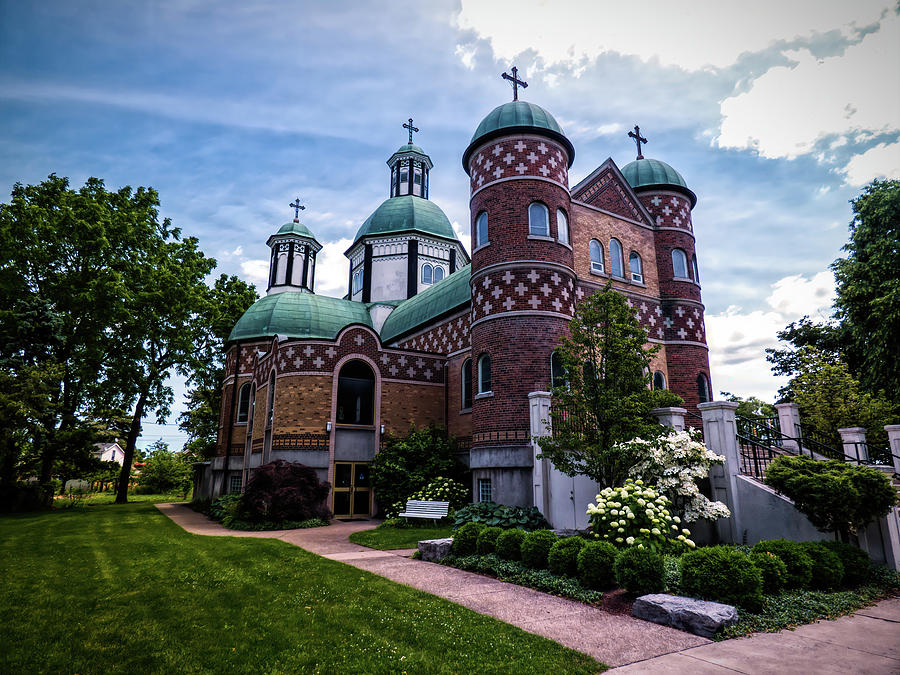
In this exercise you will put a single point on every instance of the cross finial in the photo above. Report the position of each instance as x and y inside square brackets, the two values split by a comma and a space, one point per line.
[411, 128]
[514, 78]
[297, 209]
[636, 135]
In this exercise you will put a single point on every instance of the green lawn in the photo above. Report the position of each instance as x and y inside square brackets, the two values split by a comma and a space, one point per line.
[123, 589]
[390, 538]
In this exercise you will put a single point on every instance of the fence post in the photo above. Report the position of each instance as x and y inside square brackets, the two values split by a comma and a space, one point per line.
[854, 442]
[893, 432]
[720, 434]
[789, 422]
[673, 417]
[539, 416]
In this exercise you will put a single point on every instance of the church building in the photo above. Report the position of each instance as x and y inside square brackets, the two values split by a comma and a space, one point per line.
[428, 334]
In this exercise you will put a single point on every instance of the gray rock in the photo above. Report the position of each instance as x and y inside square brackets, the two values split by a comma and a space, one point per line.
[435, 549]
[699, 617]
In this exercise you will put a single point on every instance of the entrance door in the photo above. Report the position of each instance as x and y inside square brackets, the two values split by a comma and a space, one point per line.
[352, 494]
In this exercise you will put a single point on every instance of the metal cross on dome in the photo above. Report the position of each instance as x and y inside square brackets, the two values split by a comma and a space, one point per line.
[636, 135]
[411, 128]
[514, 78]
[298, 207]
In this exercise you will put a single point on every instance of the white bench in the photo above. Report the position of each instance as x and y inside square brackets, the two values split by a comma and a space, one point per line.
[425, 509]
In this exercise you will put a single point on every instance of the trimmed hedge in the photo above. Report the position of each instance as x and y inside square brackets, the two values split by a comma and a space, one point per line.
[465, 539]
[563, 556]
[724, 574]
[499, 515]
[487, 540]
[536, 547]
[799, 564]
[856, 562]
[595, 565]
[640, 571]
[774, 571]
[827, 569]
[509, 544]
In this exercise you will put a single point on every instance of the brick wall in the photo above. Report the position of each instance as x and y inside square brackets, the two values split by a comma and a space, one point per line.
[302, 403]
[458, 423]
[405, 403]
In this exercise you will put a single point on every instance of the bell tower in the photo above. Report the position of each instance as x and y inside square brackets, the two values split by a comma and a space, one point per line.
[292, 263]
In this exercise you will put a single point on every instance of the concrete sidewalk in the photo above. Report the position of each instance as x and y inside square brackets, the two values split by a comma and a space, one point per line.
[867, 642]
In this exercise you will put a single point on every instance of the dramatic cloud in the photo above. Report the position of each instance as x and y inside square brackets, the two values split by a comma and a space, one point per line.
[333, 269]
[255, 271]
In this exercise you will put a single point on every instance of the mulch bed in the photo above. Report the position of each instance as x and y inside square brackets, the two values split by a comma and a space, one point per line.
[617, 601]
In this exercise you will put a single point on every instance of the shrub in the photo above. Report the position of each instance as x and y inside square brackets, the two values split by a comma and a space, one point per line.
[487, 540]
[225, 508]
[672, 574]
[465, 538]
[166, 471]
[855, 561]
[639, 570]
[827, 569]
[595, 565]
[774, 571]
[394, 523]
[563, 556]
[536, 547]
[799, 565]
[497, 515]
[509, 544]
[285, 491]
[721, 573]
[637, 516]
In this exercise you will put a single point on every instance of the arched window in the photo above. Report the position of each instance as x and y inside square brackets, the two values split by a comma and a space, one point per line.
[356, 394]
[357, 280]
[679, 264]
[696, 269]
[484, 374]
[557, 370]
[481, 230]
[538, 220]
[637, 269]
[438, 273]
[596, 256]
[270, 408]
[659, 380]
[427, 272]
[616, 264]
[243, 408]
[467, 384]
[562, 226]
[703, 388]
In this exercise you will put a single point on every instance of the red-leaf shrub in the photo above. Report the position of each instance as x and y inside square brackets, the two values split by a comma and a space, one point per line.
[284, 490]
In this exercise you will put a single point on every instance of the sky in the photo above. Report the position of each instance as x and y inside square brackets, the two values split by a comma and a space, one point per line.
[775, 113]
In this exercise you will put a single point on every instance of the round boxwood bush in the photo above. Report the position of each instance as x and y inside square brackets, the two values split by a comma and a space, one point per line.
[465, 539]
[563, 556]
[799, 565]
[723, 574]
[595, 565]
[536, 547]
[774, 571]
[856, 562]
[640, 571]
[827, 569]
[487, 540]
[509, 544]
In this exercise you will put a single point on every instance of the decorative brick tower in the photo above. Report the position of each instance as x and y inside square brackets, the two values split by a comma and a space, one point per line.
[522, 285]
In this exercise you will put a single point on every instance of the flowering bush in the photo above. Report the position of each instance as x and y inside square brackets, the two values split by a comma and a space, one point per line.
[439, 490]
[674, 463]
[637, 515]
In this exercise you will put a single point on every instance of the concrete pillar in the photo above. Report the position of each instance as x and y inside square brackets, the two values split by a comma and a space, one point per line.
[789, 422]
[539, 418]
[670, 417]
[854, 442]
[893, 432]
[720, 434]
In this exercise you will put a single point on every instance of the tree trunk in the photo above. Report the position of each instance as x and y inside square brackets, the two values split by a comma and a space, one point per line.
[133, 433]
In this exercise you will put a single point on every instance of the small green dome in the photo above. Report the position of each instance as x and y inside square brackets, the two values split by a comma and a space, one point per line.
[299, 315]
[442, 297]
[299, 229]
[405, 214]
[410, 147]
[517, 116]
[647, 173]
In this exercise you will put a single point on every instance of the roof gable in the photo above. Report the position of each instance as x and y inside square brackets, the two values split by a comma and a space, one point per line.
[607, 189]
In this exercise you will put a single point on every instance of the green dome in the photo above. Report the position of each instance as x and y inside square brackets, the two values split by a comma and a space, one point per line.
[296, 228]
[647, 173]
[405, 214]
[299, 315]
[442, 297]
[409, 147]
[517, 116]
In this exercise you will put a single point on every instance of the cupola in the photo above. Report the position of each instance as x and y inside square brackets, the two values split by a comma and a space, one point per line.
[292, 264]
[409, 168]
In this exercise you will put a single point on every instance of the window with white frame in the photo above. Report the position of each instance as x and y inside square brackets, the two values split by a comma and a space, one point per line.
[679, 264]
[596, 256]
[427, 274]
[637, 269]
[243, 408]
[357, 281]
[616, 263]
[481, 229]
[484, 374]
[438, 273]
[538, 220]
[234, 485]
[484, 490]
[562, 226]
[659, 380]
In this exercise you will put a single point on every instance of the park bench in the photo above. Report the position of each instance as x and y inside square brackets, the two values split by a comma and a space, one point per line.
[416, 508]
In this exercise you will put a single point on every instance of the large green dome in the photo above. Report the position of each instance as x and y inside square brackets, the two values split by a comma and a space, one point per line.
[652, 173]
[299, 315]
[405, 214]
[517, 116]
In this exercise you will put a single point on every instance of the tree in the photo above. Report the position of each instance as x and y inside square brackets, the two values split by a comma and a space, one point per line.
[166, 471]
[751, 406]
[606, 397]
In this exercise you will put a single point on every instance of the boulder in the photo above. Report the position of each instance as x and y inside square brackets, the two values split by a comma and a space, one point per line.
[433, 550]
[699, 617]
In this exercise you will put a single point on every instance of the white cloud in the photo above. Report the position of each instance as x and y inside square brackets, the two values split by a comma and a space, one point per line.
[333, 268]
[238, 251]
[466, 56]
[464, 236]
[256, 271]
[881, 161]
[796, 296]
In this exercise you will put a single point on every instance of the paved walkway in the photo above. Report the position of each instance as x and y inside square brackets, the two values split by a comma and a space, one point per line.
[868, 642]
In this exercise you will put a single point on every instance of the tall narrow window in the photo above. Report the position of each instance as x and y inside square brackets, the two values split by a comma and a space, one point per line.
[467, 384]
[356, 394]
[703, 388]
[484, 490]
[557, 370]
[481, 229]
[596, 256]
[234, 485]
[438, 273]
[679, 264]
[616, 264]
[538, 220]
[484, 374]
[637, 269]
[659, 380]
[270, 409]
[562, 226]
[427, 272]
[696, 269]
[243, 408]
[251, 413]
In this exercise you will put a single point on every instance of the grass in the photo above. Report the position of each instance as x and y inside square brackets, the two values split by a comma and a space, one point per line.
[122, 589]
[392, 538]
[104, 498]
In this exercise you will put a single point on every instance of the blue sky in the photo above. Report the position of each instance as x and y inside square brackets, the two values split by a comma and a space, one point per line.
[775, 113]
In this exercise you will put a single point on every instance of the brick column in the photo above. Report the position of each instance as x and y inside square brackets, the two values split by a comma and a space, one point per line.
[539, 415]
[893, 432]
[670, 417]
[720, 433]
[854, 442]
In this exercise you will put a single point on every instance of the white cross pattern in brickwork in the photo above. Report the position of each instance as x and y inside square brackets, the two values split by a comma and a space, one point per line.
[565, 293]
[579, 293]
[509, 158]
[667, 210]
[359, 339]
[308, 351]
[520, 146]
[690, 323]
[542, 149]
[419, 363]
[534, 302]
[289, 352]
[696, 313]
[557, 305]
[497, 292]
[651, 320]
[674, 201]
[643, 307]
[677, 220]
[318, 362]
[331, 351]
[555, 278]
[410, 371]
[488, 164]
[534, 276]
[402, 361]
[428, 374]
[656, 201]
[297, 362]
[507, 277]
[393, 371]
[682, 333]
[545, 289]
[700, 335]
[480, 180]
[679, 311]
[498, 172]
[552, 162]
[487, 308]
[660, 332]
[281, 365]
[508, 304]
[384, 359]
[668, 322]
[497, 150]
[521, 168]
[479, 159]
[544, 170]
[532, 157]
[520, 289]
[629, 302]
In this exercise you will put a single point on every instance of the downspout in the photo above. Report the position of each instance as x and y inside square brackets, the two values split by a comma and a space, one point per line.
[230, 420]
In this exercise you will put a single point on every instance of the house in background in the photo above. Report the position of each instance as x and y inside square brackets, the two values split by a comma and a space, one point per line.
[109, 452]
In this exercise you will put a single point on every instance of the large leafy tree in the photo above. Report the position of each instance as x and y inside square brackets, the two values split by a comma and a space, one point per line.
[606, 398]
